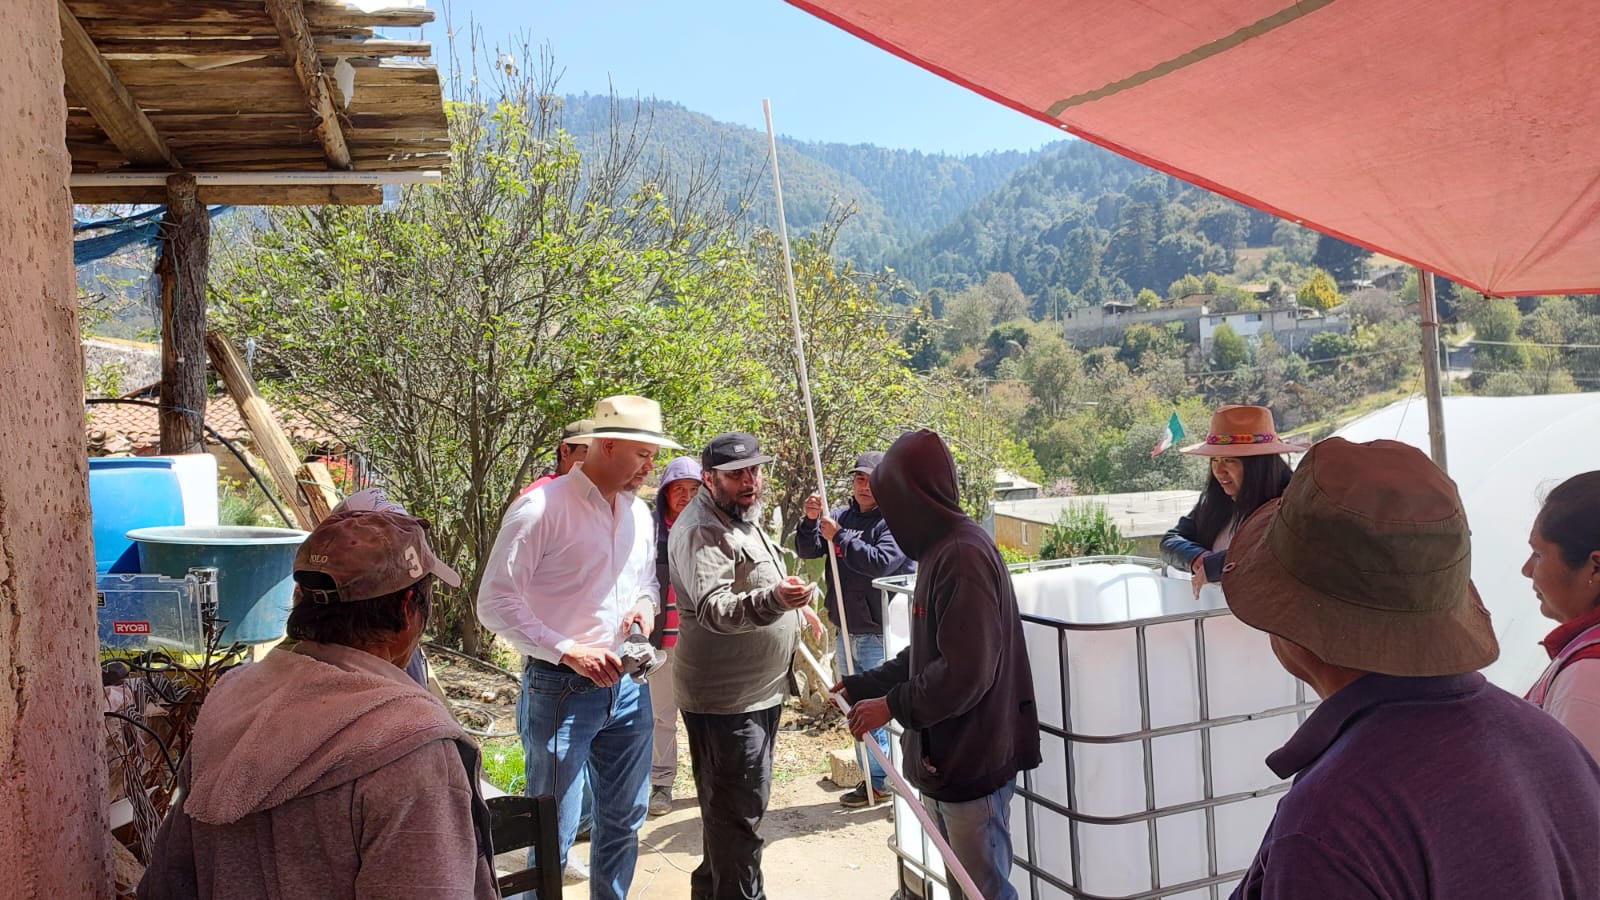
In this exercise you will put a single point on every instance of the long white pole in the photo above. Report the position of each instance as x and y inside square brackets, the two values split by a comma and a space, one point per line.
[951, 863]
[811, 423]
[957, 871]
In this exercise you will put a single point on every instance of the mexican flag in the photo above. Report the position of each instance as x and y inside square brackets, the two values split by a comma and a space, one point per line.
[1172, 435]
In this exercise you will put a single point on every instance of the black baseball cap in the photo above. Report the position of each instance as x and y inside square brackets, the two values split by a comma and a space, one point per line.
[867, 461]
[732, 450]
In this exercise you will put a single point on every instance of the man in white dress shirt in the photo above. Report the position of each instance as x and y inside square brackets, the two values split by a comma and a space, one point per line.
[572, 569]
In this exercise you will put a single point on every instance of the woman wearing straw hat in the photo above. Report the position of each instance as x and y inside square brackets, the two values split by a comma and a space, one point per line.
[1247, 470]
[1564, 566]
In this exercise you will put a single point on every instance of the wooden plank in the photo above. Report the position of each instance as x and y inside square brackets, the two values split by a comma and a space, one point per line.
[328, 16]
[181, 267]
[103, 94]
[317, 482]
[283, 463]
[243, 195]
[290, 17]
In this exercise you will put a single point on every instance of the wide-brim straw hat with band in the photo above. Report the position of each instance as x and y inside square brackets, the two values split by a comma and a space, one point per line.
[577, 432]
[1365, 561]
[630, 418]
[1243, 431]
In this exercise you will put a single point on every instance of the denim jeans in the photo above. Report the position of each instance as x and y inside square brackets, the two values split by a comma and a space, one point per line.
[576, 733]
[867, 651]
[979, 831]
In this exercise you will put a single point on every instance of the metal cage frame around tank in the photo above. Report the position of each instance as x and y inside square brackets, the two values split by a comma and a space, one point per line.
[1203, 724]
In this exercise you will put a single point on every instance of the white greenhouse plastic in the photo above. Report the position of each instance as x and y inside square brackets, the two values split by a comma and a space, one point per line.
[1502, 451]
[1156, 713]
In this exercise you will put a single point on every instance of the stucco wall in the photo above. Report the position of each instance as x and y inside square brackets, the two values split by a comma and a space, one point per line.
[52, 818]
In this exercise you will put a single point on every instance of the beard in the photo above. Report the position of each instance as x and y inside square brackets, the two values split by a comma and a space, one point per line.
[733, 508]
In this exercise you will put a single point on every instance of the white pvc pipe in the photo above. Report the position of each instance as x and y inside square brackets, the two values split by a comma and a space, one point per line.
[957, 871]
[953, 865]
[811, 425]
[233, 179]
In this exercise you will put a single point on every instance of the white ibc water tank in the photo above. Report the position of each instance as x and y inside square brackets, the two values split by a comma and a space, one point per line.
[1156, 713]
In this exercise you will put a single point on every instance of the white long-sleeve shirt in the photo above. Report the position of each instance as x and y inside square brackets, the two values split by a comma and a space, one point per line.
[567, 567]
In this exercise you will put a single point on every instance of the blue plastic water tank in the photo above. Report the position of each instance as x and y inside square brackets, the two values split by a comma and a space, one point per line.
[127, 493]
[255, 571]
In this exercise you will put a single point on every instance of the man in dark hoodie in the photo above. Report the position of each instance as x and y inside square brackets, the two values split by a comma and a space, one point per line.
[963, 690]
[866, 549]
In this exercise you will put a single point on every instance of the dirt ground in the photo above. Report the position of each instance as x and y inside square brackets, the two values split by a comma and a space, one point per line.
[815, 847]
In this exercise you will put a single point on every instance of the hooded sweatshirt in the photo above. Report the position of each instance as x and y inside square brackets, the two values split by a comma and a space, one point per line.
[665, 634]
[324, 772]
[963, 689]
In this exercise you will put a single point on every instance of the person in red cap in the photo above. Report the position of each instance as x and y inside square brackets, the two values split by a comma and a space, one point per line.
[325, 771]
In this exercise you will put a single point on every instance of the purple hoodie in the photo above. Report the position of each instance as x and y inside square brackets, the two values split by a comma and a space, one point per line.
[679, 468]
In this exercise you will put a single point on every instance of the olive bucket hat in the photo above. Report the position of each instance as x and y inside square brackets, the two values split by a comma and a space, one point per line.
[1365, 561]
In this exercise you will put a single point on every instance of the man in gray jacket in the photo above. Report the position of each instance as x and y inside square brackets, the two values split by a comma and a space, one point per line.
[324, 771]
[737, 629]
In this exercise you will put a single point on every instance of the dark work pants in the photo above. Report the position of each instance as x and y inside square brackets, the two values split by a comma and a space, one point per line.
[732, 760]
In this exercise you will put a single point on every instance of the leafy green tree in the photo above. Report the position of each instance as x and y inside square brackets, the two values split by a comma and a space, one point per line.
[1186, 286]
[1143, 340]
[451, 337]
[969, 315]
[1228, 349]
[1147, 299]
[1343, 260]
[1328, 349]
[1500, 348]
[1319, 291]
[860, 387]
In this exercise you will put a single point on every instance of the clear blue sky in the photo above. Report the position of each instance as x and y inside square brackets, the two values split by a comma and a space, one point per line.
[721, 57]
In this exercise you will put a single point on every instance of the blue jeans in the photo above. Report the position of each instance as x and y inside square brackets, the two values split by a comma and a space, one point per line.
[867, 650]
[576, 733]
[979, 831]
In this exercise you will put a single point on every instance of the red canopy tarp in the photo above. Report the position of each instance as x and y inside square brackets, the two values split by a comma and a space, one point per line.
[1463, 137]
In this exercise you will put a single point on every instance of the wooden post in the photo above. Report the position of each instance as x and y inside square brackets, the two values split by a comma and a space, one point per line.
[1430, 367]
[282, 461]
[185, 253]
[317, 482]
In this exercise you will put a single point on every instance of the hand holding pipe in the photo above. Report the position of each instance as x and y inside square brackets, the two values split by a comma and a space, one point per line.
[904, 789]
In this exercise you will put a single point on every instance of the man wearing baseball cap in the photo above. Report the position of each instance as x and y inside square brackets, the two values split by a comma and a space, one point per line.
[1415, 778]
[859, 538]
[325, 766]
[737, 630]
[573, 568]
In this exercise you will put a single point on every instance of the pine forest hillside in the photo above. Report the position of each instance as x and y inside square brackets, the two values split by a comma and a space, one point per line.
[899, 196]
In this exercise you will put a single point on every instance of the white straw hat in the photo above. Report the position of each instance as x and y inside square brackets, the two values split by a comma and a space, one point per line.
[630, 418]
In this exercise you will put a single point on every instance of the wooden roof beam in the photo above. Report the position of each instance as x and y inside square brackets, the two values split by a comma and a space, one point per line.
[103, 94]
[295, 33]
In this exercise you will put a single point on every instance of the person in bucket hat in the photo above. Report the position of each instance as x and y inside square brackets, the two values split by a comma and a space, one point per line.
[1247, 470]
[324, 770]
[1414, 778]
[572, 570]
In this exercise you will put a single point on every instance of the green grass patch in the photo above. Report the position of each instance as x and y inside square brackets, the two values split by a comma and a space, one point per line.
[502, 765]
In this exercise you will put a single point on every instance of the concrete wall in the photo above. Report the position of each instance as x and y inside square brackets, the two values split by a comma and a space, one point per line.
[53, 831]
